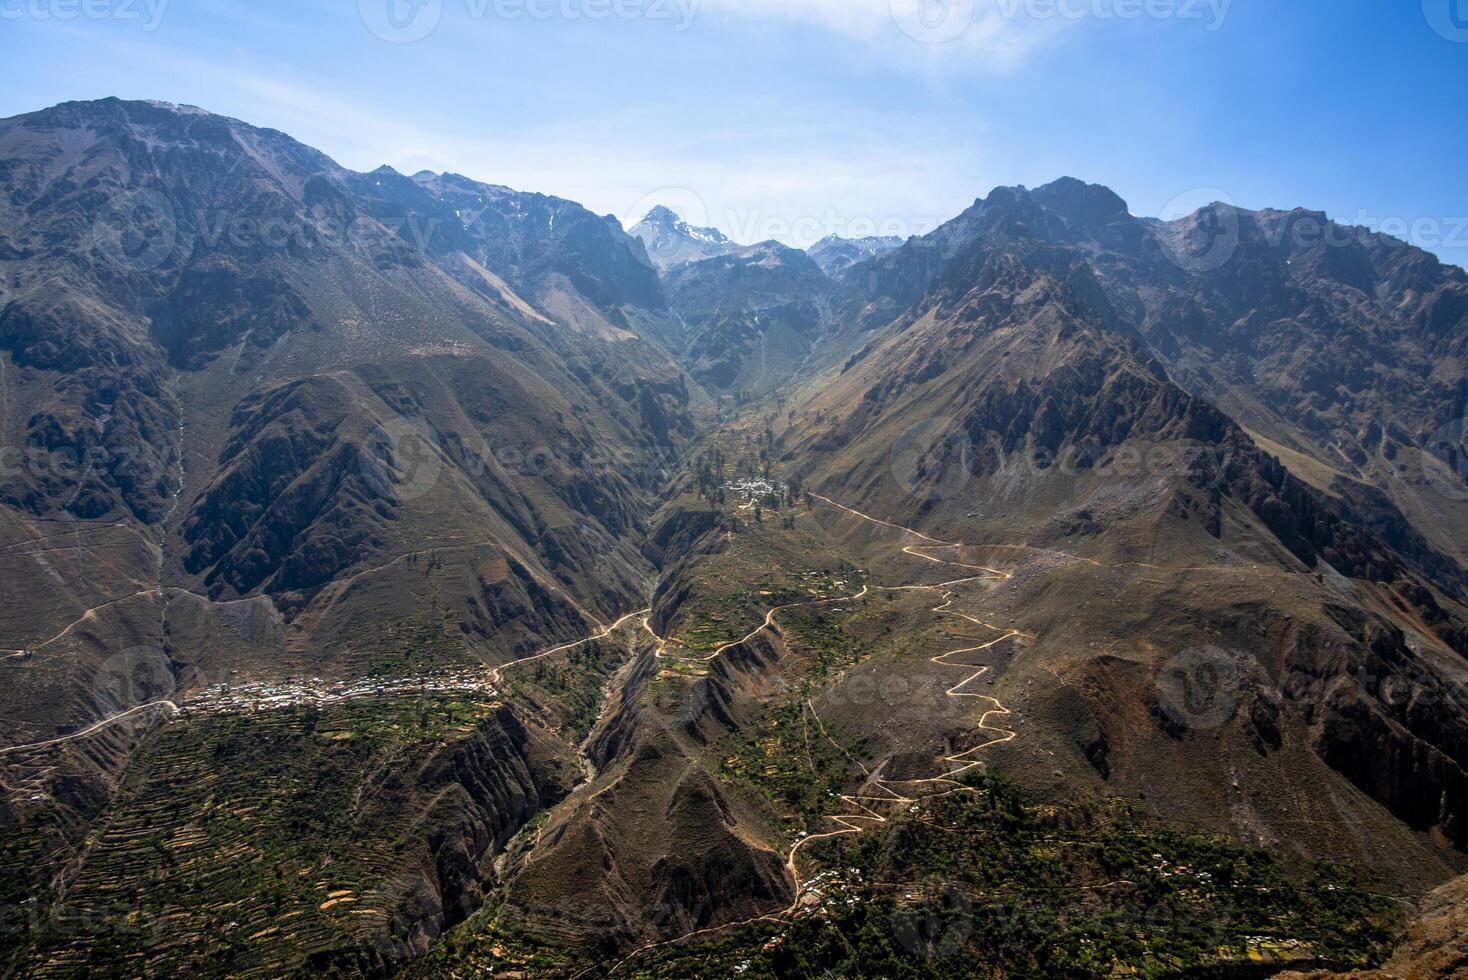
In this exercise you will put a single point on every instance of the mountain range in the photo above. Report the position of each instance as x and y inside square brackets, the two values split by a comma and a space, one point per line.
[411, 574]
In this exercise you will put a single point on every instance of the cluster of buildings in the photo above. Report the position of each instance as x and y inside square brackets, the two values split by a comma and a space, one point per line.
[752, 490]
[293, 693]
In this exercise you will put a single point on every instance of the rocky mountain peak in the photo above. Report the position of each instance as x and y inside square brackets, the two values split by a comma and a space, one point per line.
[835, 254]
[670, 240]
[1091, 206]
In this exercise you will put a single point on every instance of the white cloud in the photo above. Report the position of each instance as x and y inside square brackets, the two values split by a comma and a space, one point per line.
[987, 35]
[757, 173]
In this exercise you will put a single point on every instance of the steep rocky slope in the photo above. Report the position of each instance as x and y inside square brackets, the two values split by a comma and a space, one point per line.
[1013, 408]
[410, 802]
[222, 345]
[1340, 346]
[751, 316]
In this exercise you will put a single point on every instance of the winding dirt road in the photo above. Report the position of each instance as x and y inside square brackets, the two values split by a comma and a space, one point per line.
[104, 723]
[606, 631]
[876, 791]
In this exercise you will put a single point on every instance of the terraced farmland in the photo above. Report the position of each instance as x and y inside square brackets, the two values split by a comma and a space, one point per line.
[258, 844]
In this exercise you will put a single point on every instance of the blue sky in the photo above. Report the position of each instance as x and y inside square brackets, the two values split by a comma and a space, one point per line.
[796, 118]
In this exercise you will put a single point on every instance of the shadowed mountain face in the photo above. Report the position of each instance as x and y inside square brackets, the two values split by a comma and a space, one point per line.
[328, 497]
[751, 316]
[1342, 348]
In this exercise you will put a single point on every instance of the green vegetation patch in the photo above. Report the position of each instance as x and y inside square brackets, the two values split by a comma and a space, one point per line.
[244, 842]
[568, 688]
[794, 766]
[413, 647]
[984, 883]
